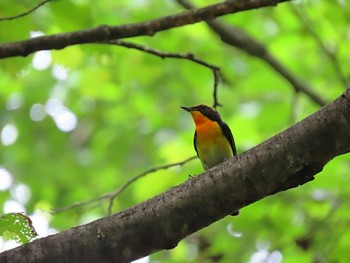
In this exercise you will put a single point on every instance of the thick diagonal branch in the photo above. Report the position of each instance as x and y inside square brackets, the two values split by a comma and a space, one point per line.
[147, 28]
[289, 159]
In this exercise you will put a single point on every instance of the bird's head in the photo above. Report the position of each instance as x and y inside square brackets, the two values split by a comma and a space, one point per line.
[201, 113]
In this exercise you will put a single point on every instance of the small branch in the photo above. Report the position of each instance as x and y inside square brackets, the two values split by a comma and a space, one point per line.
[217, 75]
[111, 196]
[238, 38]
[297, 84]
[114, 194]
[332, 56]
[79, 204]
[25, 13]
[147, 28]
[188, 56]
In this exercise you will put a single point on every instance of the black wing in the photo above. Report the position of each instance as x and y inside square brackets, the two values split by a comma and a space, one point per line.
[195, 142]
[228, 134]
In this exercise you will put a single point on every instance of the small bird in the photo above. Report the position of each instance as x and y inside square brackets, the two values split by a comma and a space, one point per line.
[213, 139]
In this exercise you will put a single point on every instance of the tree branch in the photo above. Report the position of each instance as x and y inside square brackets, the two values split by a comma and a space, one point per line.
[114, 194]
[148, 28]
[289, 159]
[111, 196]
[188, 56]
[25, 13]
[238, 38]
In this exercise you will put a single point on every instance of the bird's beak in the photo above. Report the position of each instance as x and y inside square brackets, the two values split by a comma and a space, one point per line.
[189, 109]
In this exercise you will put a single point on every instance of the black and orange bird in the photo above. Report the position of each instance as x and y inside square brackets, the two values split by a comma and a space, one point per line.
[213, 139]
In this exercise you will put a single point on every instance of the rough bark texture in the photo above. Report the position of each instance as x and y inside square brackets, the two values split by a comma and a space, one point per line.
[287, 160]
[148, 28]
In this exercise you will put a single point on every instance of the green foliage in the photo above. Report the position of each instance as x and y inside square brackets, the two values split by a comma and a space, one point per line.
[127, 105]
[18, 227]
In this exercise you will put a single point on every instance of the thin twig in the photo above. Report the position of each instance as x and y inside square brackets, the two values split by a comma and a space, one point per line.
[79, 204]
[187, 56]
[114, 194]
[111, 196]
[25, 13]
[217, 75]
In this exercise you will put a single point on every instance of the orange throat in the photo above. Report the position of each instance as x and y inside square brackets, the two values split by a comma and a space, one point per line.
[207, 130]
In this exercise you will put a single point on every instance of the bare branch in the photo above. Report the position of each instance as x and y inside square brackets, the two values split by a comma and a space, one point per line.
[25, 13]
[80, 204]
[111, 196]
[114, 194]
[217, 74]
[297, 84]
[240, 39]
[148, 28]
[188, 56]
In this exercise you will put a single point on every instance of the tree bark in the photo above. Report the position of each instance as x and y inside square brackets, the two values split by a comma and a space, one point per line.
[289, 159]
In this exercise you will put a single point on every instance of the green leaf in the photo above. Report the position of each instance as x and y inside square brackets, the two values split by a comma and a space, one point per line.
[18, 227]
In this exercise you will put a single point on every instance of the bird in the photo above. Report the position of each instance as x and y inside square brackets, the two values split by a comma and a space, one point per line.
[213, 140]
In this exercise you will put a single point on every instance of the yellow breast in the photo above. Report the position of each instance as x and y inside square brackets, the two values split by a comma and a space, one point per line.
[212, 146]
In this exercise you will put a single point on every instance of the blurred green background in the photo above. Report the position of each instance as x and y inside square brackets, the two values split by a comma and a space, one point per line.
[78, 123]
